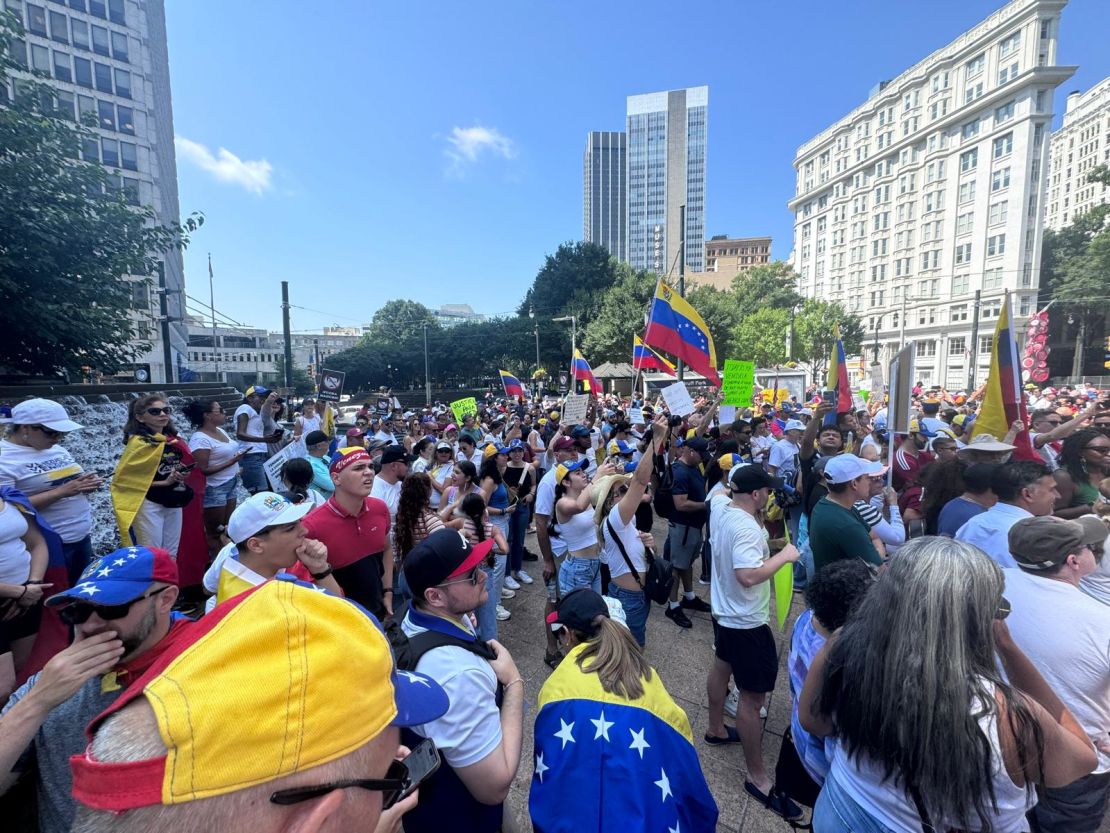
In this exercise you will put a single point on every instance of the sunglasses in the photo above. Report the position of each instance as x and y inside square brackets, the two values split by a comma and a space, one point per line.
[159, 411]
[470, 578]
[391, 787]
[79, 612]
[47, 432]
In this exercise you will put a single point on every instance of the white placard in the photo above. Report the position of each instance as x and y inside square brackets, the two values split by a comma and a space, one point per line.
[574, 409]
[635, 416]
[274, 464]
[678, 399]
[726, 414]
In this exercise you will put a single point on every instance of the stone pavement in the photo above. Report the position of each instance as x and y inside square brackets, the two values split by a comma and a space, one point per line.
[682, 659]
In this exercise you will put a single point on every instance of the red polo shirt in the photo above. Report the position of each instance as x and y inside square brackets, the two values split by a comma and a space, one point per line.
[349, 538]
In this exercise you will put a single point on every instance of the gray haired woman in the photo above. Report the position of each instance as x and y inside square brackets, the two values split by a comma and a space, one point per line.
[930, 735]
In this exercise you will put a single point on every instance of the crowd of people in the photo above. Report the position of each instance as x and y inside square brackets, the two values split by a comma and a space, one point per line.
[316, 646]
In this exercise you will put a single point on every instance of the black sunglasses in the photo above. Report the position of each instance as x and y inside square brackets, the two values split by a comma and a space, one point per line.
[79, 612]
[47, 432]
[159, 411]
[391, 787]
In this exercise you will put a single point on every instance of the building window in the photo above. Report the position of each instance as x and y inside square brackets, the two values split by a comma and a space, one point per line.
[110, 149]
[115, 12]
[106, 115]
[103, 75]
[925, 349]
[970, 129]
[967, 191]
[1003, 145]
[40, 58]
[119, 46]
[100, 42]
[1000, 179]
[998, 212]
[80, 31]
[975, 66]
[1007, 73]
[1004, 113]
[128, 156]
[97, 7]
[968, 160]
[125, 119]
[86, 107]
[957, 344]
[996, 245]
[992, 278]
[90, 149]
[964, 222]
[59, 31]
[131, 190]
[973, 92]
[36, 20]
[123, 83]
[1010, 45]
[963, 253]
[65, 105]
[990, 309]
[985, 343]
[80, 5]
[959, 284]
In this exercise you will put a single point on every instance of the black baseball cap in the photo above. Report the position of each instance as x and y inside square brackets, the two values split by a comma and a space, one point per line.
[748, 478]
[698, 444]
[315, 437]
[442, 556]
[395, 454]
[577, 611]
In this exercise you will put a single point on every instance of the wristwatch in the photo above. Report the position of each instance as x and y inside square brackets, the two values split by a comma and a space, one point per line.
[323, 575]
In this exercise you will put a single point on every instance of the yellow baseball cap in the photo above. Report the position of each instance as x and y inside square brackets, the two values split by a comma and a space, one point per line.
[277, 680]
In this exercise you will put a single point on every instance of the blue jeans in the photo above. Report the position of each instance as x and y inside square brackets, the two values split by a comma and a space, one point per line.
[636, 610]
[837, 812]
[216, 497]
[77, 556]
[253, 474]
[487, 612]
[579, 572]
[518, 528]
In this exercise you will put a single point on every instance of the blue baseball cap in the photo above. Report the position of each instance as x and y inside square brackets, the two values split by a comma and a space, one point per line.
[256, 390]
[515, 445]
[580, 431]
[620, 447]
[120, 577]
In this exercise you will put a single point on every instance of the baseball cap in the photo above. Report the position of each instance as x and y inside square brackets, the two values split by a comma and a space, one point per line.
[1095, 531]
[620, 447]
[917, 428]
[515, 445]
[353, 432]
[562, 444]
[314, 437]
[256, 390]
[346, 457]
[748, 477]
[450, 427]
[727, 461]
[443, 555]
[395, 454]
[698, 444]
[1045, 542]
[120, 577]
[44, 412]
[794, 425]
[563, 469]
[262, 510]
[333, 695]
[580, 431]
[846, 467]
[577, 611]
[444, 446]
[553, 415]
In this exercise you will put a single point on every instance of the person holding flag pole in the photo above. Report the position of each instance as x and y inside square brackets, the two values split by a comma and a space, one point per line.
[675, 327]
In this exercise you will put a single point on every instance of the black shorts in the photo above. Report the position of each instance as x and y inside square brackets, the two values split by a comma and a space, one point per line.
[22, 626]
[751, 654]
[361, 581]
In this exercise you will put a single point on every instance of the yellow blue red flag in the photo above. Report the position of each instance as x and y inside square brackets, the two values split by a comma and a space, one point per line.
[512, 385]
[676, 328]
[1003, 402]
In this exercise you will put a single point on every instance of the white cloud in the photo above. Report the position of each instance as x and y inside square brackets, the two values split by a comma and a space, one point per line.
[252, 174]
[468, 144]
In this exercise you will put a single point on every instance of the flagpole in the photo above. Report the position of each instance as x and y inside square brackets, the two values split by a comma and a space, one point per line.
[681, 271]
[212, 308]
[635, 366]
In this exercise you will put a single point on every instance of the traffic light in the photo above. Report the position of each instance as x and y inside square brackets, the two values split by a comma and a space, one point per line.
[1106, 355]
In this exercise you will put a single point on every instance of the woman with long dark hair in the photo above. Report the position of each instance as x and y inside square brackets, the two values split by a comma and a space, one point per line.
[217, 456]
[464, 481]
[928, 730]
[477, 528]
[520, 479]
[574, 519]
[1084, 460]
[491, 480]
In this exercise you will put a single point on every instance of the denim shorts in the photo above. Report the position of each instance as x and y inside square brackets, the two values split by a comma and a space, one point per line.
[636, 610]
[579, 572]
[216, 497]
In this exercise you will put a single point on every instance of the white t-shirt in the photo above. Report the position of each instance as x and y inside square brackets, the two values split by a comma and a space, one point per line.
[1066, 635]
[33, 472]
[738, 541]
[440, 474]
[630, 537]
[15, 559]
[309, 424]
[388, 492]
[255, 428]
[470, 730]
[761, 445]
[220, 452]
[545, 505]
[782, 458]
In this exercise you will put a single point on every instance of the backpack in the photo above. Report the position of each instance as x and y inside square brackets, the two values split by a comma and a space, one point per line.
[662, 500]
[658, 577]
[407, 650]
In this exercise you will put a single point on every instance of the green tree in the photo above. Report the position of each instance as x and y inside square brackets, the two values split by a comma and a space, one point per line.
[768, 285]
[721, 315]
[571, 282]
[813, 333]
[608, 337]
[761, 337]
[69, 237]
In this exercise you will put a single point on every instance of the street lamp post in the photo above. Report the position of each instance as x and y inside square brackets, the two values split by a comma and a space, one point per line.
[573, 339]
[536, 332]
[427, 378]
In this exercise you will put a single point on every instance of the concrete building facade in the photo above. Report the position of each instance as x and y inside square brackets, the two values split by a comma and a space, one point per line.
[605, 192]
[667, 134]
[727, 257]
[1081, 144]
[109, 58]
[928, 196]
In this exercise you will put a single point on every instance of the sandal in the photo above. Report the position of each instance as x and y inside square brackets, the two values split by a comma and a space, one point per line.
[730, 737]
[552, 659]
[777, 802]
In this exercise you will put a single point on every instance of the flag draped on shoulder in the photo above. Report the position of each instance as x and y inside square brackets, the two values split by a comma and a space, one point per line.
[837, 379]
[584, 373]
[512, 385]
[1003, 402]
[644, 358]
[676, 328]
[605, 763]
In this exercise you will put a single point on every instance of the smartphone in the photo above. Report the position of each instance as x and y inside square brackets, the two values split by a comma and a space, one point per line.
[421, 763]
[828, 396]
[186, 469]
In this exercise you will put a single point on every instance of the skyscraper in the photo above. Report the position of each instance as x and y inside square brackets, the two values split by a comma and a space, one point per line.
[109, 58]
[923, 206]
[666, 170]
[605, 192]
[1081, 144]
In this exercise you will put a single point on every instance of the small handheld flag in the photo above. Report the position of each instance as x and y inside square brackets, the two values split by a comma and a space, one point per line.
[644, 358]
[675, 327]
[838, 378]
[583, 372]
[511, 384]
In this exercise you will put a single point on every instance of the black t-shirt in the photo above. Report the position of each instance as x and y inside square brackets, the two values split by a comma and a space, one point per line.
[689, 481]
[813, 485]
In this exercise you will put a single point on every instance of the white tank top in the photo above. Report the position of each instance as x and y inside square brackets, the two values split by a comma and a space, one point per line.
[15, 560]
[892, 806]
[578, 532]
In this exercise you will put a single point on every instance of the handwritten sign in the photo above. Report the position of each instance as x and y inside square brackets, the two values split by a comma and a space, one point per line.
[726, 414]
[274, 464]
[678, 399]
[635, 416]
[462, 408]
[738, 381]
[575, 408]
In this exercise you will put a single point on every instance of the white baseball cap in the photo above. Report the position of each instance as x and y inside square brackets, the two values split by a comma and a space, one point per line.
[794, 425]
[847, 467]
[44, 412]
[260, 511]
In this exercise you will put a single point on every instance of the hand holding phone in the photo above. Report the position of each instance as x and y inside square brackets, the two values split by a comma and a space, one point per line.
[421, 763]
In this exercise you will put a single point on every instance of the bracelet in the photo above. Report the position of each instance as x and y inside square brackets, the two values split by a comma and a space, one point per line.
[323, 575]
[388, 590]
[513, 682]
[21, 595]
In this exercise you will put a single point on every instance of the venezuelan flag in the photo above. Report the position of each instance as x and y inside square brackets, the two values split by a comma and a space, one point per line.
[644, 358]
[512, 385]
[583, 373]
[837, 379]
[675, 327]
[608, 764]
[1003, 402]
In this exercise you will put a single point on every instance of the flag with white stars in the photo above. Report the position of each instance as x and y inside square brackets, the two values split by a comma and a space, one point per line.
[605, 763]
[676, 327]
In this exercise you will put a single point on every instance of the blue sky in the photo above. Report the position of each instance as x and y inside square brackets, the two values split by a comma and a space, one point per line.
[367, 150]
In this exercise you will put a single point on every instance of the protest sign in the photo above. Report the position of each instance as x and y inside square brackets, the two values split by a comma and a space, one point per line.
[784, 592]
[738, 381]
[273, 465]
[635, 416]
[726, 414]
[678, 399]
[464, 407]
[331, 385]
[575, 407]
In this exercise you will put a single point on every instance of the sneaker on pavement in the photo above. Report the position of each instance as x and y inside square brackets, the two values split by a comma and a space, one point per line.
[704, 582]
[696, 604]
[676, 615]
[503, 614]
[530, 556]
[524, 578]
[506, 593]
[511, 583]
[732, 700]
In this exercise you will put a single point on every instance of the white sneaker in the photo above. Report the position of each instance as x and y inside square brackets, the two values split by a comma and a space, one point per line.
[731, 702]
[763, 712]
[511, 583]
[506, 593]
[503, 614]
[703, 582]
[524, 578]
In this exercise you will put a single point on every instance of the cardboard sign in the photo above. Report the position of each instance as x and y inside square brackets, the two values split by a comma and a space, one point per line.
[678, 399]
[738, 381]
[726, 414]
[635, 416]
[464, 407]
[273, 465]
[575, 408]
[331, 385]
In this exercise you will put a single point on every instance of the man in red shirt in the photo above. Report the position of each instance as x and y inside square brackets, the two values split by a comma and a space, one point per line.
[911, 456]
[355, 529]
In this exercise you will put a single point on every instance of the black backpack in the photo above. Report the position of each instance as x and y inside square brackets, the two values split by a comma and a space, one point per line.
[658, 577]
[662, 500]
[407, 650]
